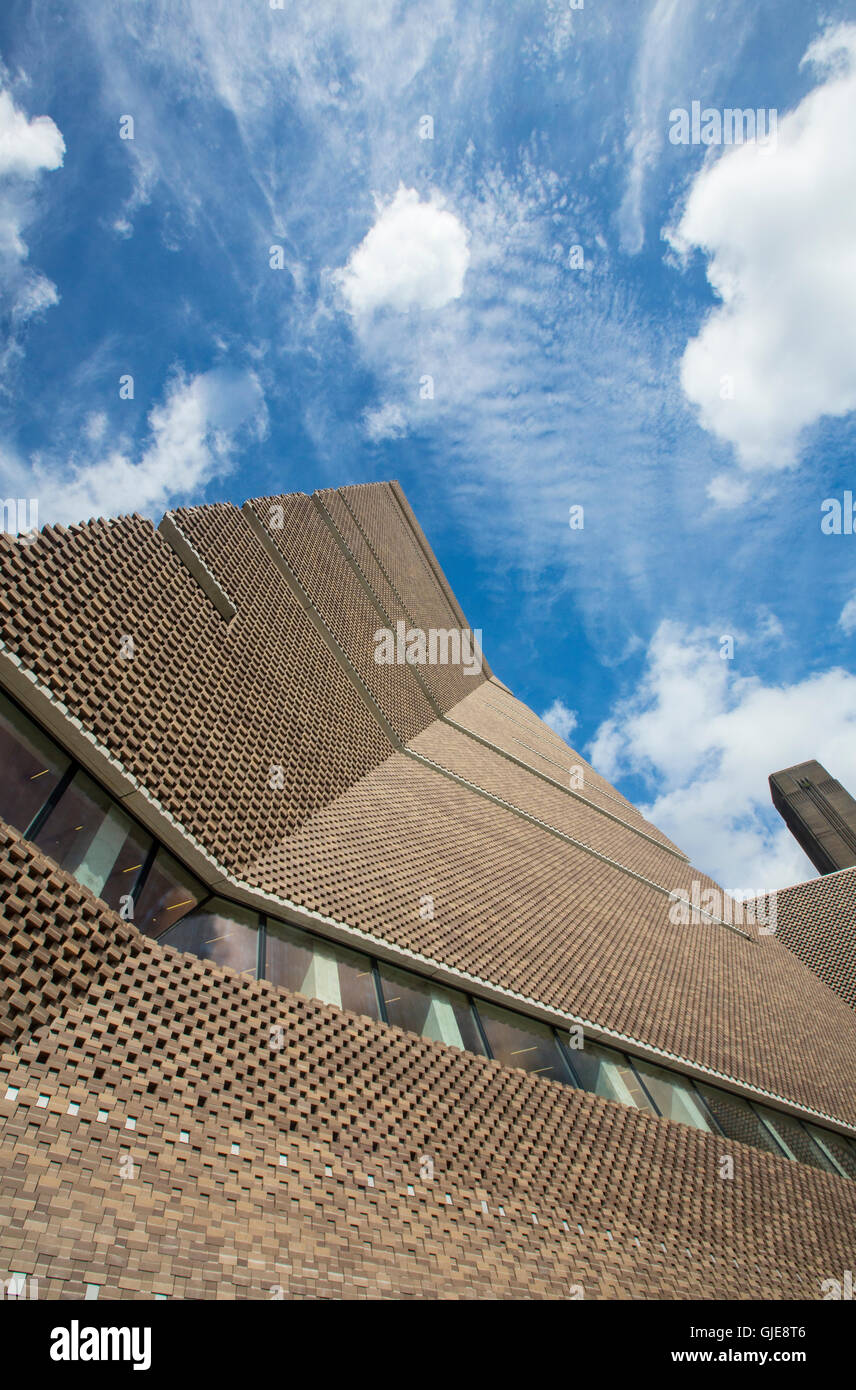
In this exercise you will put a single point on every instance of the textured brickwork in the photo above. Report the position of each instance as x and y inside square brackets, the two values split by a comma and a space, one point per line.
[395, 784]
[398, 552]
[536, 1188]
[309, 546]
[360, 832]
[519, 907]
[817, 921]
[205, 708]
[56, 940]
[498, 718]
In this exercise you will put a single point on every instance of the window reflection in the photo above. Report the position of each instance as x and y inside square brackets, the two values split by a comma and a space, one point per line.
[90, 836]
[168, 894]
[673, 1095]
[522, 1042]
[797, 1142]
[32, 767]
[220, 932]
[320, 970]
[738, 1119]
[435, 1012]
[609, 1074]
[837, 1147]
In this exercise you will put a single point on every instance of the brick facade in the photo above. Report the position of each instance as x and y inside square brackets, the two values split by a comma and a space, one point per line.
[397, 782]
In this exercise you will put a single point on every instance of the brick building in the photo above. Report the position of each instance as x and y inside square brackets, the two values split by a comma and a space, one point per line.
[330, 975]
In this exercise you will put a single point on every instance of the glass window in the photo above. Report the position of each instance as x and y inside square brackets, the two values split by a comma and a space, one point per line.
[168, 894]
[608, 1073]
[320, 970]
[90, 836]
[423, 1007]
[737, 1118]
[220, 932]
[673, 1095]
[837, 1147]
[32, 766]
[796, 1141]
[522, 1042]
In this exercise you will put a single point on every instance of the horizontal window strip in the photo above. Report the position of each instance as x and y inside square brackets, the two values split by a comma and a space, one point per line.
[93, 836]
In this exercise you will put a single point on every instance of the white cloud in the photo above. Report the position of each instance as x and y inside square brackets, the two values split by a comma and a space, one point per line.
[778, 225]
[193, 437]
[847, 617]
[561, 720]
[665, 32]
[728, 490]
[27, 147]
[415, 255]
[709, 739]
[386, 422]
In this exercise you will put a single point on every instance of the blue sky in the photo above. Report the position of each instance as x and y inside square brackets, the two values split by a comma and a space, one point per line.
[691, 384]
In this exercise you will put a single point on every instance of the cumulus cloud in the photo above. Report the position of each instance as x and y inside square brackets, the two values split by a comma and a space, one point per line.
[415, 256]
[708, 739]
[27, 147]
[386, 422]
[778, 225]
[193, 437]
[561, 720]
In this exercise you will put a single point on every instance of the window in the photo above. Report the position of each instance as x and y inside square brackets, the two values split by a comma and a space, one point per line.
[78, 825]
[32, 767]
[836, 1147]
[90, 836]
[673, 1095]
[422, 1007]
[737, 1118]
[219, 932]
[320, 970]
[796, 1141]
[522, 1042]
[168, 894]
[609, 1074]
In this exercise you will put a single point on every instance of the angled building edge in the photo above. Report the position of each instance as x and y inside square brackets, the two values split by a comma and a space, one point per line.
[170, 1126]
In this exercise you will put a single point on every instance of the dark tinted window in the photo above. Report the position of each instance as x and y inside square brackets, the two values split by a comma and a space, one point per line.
[88, 834]
[168, 894]
[522, 1042]
[219, 932]
[32, 765]
[737, 1118]
[796, 1140]
[320, 970]
[422, 1007]
[836, 1145]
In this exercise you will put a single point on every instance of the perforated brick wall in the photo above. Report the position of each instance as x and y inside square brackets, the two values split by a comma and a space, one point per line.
[536, 1190]
[816, 920]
